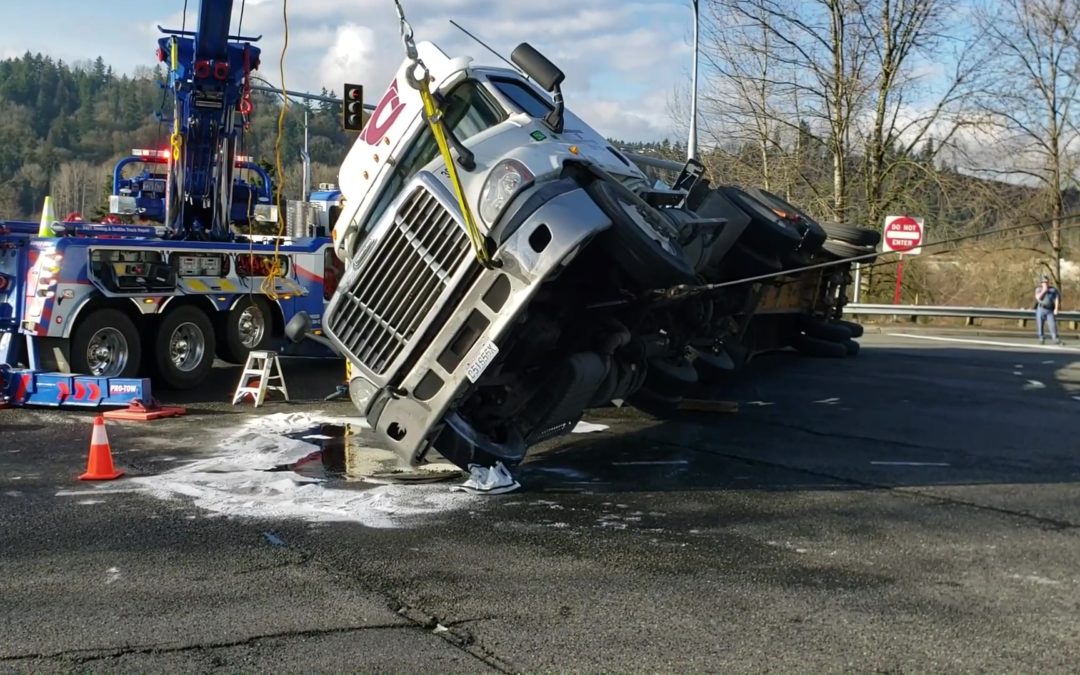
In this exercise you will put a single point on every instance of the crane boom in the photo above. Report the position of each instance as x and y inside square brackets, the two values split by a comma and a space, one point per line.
[209, 75]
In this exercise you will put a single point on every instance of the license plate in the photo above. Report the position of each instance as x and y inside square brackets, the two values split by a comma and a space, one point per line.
[488, 352]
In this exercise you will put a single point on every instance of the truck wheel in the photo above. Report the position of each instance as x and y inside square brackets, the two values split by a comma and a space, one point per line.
[184, 348]
[844, 250]
[856, 329]
[670, 376]
[106, 344]
[833, 332]
[850, 234]
[813, 346]
[247, 328]
[643, 250]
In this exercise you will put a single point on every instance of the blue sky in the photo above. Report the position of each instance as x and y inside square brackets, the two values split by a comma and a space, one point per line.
[625, 60]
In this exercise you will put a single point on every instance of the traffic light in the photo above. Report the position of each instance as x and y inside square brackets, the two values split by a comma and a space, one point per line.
[353, 108]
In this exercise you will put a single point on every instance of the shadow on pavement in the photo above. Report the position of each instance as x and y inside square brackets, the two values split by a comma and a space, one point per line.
[893, 416]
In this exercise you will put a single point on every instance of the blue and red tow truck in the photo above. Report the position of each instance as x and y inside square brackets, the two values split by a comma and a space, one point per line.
[90, 312]
[87, 317]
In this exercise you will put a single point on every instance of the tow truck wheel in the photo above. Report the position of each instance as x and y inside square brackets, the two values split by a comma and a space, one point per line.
[106, 344]
[247, 327]
[184, 348]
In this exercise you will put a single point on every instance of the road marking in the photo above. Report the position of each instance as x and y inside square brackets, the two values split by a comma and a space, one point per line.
[911, 463]
[653, 462]
[991, 343]
[1032, 385]
[829, 401]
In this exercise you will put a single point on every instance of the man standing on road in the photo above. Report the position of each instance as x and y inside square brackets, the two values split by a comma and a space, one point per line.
[1047, 303]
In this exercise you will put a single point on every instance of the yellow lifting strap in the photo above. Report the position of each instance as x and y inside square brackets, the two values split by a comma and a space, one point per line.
[434, 118]
[174, 140]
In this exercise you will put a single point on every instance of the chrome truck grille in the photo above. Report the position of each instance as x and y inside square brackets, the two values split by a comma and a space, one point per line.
[409, 268]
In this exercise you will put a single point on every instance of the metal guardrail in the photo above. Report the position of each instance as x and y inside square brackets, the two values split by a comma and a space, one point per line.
[968, 313]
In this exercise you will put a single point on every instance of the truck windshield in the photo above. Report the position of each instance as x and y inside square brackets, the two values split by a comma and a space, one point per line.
[468, 111]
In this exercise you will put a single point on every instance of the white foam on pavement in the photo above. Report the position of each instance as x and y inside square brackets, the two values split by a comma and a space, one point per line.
[583, 427]
[233, 481]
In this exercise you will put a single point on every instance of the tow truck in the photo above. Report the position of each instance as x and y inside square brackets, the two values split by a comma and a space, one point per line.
[105, 307]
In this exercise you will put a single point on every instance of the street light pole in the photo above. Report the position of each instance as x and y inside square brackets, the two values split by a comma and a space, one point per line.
[691, 146]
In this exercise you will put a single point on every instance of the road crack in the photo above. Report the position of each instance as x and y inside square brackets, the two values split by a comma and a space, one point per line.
[96, 654]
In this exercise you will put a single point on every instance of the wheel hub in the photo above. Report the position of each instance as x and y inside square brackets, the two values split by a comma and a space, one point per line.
[107, 353]
[186, 347]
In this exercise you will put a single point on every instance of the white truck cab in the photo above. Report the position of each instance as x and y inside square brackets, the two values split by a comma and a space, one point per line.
[497, 113]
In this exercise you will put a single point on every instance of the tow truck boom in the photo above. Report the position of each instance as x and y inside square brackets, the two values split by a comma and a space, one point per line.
[210, 77]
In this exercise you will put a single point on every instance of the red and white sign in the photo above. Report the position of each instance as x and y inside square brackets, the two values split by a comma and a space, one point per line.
[903, 234]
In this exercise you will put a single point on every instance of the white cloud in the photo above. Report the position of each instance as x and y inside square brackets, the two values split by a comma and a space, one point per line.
[351, 57]
[621, 58]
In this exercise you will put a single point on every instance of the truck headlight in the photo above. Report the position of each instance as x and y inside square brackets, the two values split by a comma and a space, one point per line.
[507, 179]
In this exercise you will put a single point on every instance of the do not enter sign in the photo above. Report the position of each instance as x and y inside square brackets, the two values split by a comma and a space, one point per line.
[903, 234]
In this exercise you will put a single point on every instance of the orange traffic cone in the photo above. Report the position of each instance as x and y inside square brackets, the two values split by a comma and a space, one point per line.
[99, 465]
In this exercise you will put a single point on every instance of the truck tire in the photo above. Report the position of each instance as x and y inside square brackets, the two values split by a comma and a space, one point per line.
[812, 346]
[832, 332]
[106, 343]
[850, 234]
[246, 327]
[637, 231]
[856, 329]
[670, 377]
[184, 348]
[844, 250]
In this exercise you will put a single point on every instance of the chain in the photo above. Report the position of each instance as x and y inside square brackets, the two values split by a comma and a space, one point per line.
[408, 41]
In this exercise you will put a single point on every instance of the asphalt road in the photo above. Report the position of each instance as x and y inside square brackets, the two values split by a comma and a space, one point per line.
[912, 509]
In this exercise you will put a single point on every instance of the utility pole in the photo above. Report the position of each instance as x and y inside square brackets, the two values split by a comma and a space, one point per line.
[691, 146]
[307, 161]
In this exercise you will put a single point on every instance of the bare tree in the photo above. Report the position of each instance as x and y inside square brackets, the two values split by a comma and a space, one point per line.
[911, 116]
[742, 97]
[1030, 97]
[813, 53]
[76, 186]
[845, 73]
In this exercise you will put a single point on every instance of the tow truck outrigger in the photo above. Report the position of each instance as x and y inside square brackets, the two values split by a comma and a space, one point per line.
[480, 344]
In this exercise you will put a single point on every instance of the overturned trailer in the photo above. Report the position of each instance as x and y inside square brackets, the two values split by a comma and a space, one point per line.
[577, 283]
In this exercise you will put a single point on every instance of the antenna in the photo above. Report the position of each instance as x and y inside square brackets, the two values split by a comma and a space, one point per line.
[482, 44]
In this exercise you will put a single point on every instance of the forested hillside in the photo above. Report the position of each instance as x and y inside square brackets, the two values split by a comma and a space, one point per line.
[63, 126]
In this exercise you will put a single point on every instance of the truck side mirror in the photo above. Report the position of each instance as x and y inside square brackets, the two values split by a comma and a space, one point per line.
[537, 66]
[298, 327]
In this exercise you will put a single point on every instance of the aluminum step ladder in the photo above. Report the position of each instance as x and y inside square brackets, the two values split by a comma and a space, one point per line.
[266, 366]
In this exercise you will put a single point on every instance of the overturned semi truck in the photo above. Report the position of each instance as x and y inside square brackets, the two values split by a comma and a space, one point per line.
[581, 282]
